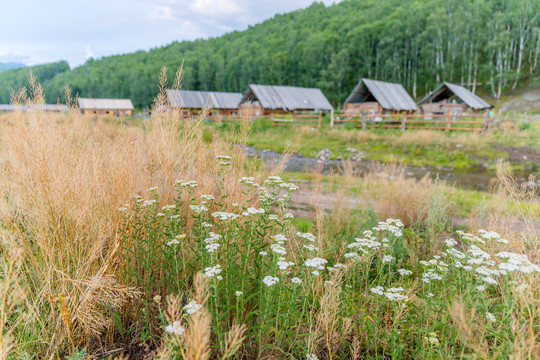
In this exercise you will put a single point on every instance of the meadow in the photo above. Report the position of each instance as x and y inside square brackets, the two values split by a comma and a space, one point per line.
[510, 140]
[167, 242]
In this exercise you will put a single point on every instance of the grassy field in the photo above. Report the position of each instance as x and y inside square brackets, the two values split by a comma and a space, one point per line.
[421, 148]
[167, 242]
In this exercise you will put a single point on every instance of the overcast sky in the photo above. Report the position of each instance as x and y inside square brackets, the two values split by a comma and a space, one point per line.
[40, 31]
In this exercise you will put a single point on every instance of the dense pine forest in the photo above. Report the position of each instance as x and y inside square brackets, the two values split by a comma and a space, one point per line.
[488, 45]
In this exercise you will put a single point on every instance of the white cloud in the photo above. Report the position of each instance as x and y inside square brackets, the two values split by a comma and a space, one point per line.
[161, 13]
[44, 31]
[88, 52]
[217, 7]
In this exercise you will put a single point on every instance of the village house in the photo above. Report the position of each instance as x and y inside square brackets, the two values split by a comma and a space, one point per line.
[106, 107]
[59, 108]
[378, 97]
[453, 99]
[193, 102]
[265, 100]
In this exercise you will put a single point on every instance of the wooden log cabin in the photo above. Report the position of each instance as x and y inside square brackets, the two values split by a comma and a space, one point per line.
[267, 100]
[453, 99]
[106, 107]
[378, 97]
[57, 108]
[193, 102]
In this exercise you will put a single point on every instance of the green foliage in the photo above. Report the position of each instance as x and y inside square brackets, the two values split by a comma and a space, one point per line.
[416, 43]
[77, 355]
[524, 126]
[18, 78]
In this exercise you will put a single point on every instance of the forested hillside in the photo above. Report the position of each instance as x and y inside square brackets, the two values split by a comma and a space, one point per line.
[17, 78]
[486, 44]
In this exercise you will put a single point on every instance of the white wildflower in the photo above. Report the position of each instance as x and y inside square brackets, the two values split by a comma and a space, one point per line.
[404, 272]
[379, 290]
[491, 317]
[307, 236]
[387, 258]
[296, 280]
[238, 293]
[192, 307]
[316, 263]
[175, 328]
[270, 280]
[198, 208]
[212, 271]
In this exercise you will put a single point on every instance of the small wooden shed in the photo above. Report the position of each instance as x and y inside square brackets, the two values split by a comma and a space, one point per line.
[265, 100]
[106, 107]
[59, 108]
[454, 99]
[193, 102]
[378, 97]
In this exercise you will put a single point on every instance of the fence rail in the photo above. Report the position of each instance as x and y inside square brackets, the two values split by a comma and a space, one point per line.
[446, 122]
[298, 119]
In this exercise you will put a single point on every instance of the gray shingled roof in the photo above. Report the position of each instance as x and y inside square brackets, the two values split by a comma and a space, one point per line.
[39, 107]
[390, 96]
[289, 98]
[189, 99]
[447, 89]
[105, 104]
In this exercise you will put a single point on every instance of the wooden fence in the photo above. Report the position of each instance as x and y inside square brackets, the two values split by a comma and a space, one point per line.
[298, 119]
[446, 122]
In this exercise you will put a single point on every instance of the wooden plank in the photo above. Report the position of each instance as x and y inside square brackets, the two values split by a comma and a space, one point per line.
[466, 129]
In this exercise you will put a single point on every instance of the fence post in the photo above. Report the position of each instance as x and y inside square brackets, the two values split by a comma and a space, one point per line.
[486, 122]
[332, 118]
[403, 120]
[364, 125]
[448, 121]
[320, 118]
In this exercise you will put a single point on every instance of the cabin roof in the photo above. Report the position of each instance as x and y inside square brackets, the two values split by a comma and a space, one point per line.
[105, 104]
[447, 89]
[189, 99]
[39, 107]
[390, 96]
[289, 98]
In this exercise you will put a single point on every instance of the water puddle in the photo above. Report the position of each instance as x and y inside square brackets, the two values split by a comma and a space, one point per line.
[477, 178]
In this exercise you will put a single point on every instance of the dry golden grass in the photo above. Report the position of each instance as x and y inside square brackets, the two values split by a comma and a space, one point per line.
[62, 181]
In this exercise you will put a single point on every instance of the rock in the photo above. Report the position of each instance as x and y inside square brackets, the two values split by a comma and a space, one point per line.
[324, 155]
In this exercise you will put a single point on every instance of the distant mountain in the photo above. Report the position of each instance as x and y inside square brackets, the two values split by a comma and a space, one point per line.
[487, 45]
[11, 65]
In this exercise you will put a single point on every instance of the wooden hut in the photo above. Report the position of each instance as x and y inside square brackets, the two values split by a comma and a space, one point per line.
[378, 97]
[58, 108]
[106, 107]
[265, 100]
[454, 99]
[193, 102]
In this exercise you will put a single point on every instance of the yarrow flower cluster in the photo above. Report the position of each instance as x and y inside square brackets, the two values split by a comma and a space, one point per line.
[224, 216]
[317, 263]
[212, 242]
[198, 208]
[270, 280]
[175, 328]
[213, 271]
[192, 307]
[479, 264]
[307, 236]
[253, 211]
[392, 294]
[394, 226]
